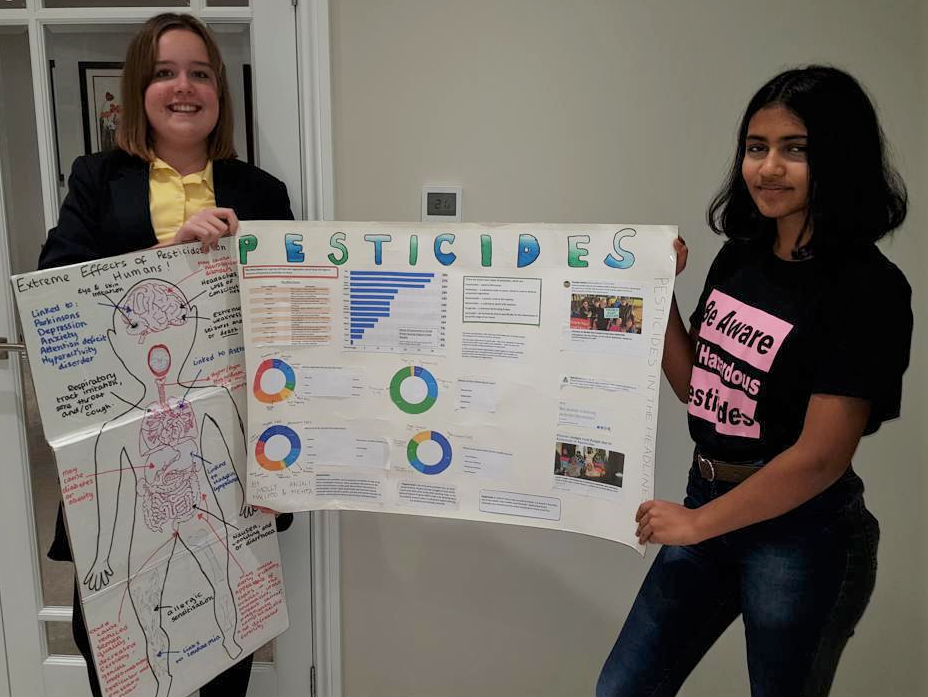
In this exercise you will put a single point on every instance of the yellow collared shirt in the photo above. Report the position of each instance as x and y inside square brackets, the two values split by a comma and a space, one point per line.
[173, 199]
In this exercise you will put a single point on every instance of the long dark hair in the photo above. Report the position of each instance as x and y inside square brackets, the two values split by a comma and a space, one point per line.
[855, 194]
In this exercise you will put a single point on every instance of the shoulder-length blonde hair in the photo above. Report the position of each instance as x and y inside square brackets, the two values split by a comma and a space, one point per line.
[133, 133]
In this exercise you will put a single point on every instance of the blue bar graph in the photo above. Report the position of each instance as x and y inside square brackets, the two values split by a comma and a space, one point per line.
[395, 311]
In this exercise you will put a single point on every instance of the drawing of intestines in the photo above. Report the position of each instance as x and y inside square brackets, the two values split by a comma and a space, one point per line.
[169, 490]
[165, 452]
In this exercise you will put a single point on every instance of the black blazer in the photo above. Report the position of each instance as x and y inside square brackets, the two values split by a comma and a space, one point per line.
[106, 213]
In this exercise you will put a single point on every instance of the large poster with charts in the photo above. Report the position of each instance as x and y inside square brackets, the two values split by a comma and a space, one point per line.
[139, 372]
[503, 373]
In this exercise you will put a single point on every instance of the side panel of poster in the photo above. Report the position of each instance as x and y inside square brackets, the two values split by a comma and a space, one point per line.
[139, 372]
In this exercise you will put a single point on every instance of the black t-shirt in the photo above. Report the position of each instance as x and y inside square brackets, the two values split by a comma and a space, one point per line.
[771, 333]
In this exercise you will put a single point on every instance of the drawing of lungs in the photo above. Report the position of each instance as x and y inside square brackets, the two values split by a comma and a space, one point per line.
[167, 425]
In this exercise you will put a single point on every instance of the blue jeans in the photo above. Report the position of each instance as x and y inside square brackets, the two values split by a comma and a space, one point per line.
[801, 583]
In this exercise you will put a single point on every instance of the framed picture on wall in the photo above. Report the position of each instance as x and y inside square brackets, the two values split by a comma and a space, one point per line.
[249, 114]
[54, 100]
[101, 103]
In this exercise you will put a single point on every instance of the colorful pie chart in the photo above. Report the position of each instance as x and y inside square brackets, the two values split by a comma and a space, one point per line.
[412, 452]
[283, 370]
[431, 389]
[273, 465]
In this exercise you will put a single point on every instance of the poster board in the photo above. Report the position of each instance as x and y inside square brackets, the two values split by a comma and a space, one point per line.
[502, 373]
[139, 374]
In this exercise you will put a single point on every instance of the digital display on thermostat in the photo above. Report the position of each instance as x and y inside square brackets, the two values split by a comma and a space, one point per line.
[442, 203]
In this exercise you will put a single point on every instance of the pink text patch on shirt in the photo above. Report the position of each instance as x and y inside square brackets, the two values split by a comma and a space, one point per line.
[731, 410]
[748, 335]
[743, 331]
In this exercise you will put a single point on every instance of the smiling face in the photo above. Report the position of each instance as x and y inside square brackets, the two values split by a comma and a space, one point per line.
[775, 165]
[182, 101]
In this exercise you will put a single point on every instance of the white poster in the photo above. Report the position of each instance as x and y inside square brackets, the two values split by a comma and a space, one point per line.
[139, 372]
[503, 373]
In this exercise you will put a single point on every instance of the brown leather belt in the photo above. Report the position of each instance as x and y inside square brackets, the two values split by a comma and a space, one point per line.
[714, 470]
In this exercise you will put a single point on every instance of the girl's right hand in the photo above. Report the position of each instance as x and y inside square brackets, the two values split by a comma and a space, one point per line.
[679, 246]
[207, 226]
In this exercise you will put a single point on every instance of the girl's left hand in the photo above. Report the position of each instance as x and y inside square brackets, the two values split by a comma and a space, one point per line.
[667, 523]
[269, 511]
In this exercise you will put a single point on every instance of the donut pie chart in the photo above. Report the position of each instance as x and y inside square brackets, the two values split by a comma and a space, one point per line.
[431, 389]
[274, 364]
[412, 452]
[265, 460]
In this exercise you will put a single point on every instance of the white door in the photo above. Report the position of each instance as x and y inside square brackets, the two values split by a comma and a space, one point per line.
[47, 47]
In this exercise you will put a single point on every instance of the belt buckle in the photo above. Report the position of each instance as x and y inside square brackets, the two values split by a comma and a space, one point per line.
[706, 464]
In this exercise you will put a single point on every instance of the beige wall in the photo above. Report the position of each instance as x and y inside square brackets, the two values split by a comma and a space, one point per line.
[597, 111]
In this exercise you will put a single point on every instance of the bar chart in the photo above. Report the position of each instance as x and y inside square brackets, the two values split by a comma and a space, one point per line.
[395, 311]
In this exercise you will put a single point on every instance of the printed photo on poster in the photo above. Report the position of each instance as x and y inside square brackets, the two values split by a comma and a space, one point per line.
[101, 104]
[604, 316]
[588, 462]
[606, 313]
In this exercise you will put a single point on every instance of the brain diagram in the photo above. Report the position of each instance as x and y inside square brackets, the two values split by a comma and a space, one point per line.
[153, 307]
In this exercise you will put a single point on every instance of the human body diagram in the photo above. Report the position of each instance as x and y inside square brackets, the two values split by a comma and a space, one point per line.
[177, 451]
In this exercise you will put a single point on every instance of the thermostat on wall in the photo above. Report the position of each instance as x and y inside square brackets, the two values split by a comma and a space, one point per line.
[441, 204]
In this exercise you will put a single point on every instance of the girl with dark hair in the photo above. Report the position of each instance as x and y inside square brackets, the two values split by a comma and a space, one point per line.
[586, 312]
[172, 178]
[779, 392]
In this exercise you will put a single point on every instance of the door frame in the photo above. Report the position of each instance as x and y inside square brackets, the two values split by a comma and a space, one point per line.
[307, 170]
[314, 56]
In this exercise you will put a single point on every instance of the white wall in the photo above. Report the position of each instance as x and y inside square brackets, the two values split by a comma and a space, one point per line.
[22, 191]
[599, 111]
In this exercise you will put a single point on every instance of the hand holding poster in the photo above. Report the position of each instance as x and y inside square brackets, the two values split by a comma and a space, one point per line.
[436, 369]
[137, 364]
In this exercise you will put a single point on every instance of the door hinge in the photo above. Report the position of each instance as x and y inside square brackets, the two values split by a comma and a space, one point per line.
[6, 347]
[312, 669]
